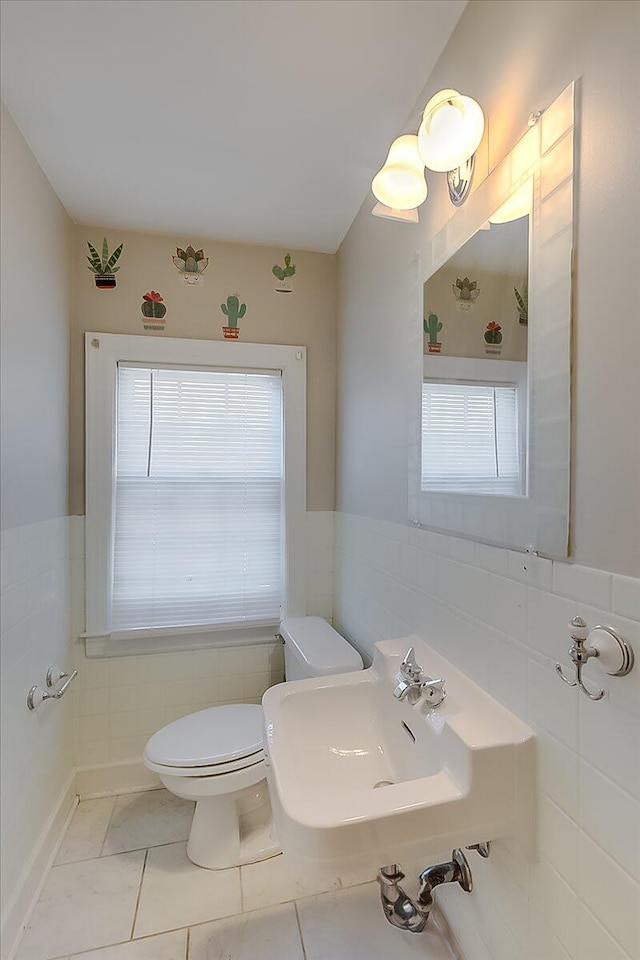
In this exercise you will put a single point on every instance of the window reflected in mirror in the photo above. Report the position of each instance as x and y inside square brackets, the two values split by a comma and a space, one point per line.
[475, 382]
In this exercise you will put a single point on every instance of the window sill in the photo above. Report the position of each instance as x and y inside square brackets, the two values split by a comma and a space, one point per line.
[137, 642]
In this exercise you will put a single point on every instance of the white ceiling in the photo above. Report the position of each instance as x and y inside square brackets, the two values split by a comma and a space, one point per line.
[256, 121]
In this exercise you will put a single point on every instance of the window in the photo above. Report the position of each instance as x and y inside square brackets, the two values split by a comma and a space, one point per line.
[470, 438]
[198, 500]
[195, 491]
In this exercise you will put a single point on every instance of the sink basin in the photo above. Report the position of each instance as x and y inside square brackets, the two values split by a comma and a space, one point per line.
[360, 779]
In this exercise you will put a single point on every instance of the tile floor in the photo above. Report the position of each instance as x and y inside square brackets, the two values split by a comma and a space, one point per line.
[122, 888]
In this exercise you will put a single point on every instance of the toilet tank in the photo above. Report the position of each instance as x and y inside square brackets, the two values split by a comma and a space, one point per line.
[312, 648]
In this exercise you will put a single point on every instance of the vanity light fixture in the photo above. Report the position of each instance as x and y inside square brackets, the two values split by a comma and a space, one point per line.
[450, 132]
[401, 183]
[389, 213]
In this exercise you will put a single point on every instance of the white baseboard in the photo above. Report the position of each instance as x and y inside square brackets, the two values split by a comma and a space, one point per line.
[110, 779]
[36, 870]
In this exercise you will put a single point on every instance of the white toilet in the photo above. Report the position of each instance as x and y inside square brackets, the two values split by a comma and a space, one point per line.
[216, 756]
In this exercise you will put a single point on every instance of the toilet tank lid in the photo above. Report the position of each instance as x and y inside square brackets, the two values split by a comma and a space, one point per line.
[320, 646]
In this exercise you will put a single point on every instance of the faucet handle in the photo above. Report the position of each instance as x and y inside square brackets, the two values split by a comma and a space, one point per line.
[409, 668]
[433, 691]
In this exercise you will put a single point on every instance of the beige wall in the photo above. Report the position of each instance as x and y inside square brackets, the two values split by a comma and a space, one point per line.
[306, 317]
[514, 58]
[36, 265]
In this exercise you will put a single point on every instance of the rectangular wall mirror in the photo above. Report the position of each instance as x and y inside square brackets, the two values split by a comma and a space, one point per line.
[490, 338]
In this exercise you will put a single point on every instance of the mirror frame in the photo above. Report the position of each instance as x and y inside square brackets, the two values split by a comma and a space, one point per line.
[539, 521]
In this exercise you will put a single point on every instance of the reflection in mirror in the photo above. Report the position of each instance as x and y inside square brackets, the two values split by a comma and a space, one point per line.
[475, 384]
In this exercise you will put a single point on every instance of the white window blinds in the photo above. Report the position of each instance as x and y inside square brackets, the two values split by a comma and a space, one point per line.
[470, 438]
[198, 498]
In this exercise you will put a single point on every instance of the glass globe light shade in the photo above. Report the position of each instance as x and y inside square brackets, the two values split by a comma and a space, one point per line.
[401, 183]
[451, 130]
[518, 205]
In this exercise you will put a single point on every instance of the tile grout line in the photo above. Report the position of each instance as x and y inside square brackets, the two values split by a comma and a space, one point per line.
[304, 951]
[187, 945]
[135, 912]
[106, 833]
[119, 943]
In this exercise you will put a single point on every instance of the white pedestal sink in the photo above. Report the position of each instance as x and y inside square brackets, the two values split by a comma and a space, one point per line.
[359, 778]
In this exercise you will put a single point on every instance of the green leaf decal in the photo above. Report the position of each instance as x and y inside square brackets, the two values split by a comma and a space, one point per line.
[113, 259]
[95, 257]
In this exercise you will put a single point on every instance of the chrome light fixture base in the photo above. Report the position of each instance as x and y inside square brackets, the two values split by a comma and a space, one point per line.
[459, 181]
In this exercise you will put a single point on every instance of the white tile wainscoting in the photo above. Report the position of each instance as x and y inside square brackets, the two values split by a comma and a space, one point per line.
[121, 701]
[122, 888]
[502, 617]
[38, 789]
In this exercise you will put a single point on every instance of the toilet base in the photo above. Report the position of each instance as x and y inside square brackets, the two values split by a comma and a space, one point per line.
[228, 831]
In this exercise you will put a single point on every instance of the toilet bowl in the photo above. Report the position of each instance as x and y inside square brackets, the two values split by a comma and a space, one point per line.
[216, 756]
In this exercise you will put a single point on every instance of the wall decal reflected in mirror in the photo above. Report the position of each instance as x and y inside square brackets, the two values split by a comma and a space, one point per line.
[490, 337]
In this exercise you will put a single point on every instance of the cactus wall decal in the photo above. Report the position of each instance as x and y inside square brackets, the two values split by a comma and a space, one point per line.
[432, 327]
[233, 311]
[466, 292]
[493, 339]
[284, 274]
[153, 311]
[191, 264]
[104, 267]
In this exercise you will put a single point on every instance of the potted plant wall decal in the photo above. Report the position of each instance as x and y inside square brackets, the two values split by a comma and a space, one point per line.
[493, 339]
[466, 293]
[233, 311]
[284, 274]
[432, 328]
[104, 267]
[191, 264]
[522, 300]
[153, 311]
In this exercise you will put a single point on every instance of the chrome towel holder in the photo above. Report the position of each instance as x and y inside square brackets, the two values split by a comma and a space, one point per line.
[37, 695]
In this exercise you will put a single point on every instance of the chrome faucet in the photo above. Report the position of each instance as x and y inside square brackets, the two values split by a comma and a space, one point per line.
[413, 683]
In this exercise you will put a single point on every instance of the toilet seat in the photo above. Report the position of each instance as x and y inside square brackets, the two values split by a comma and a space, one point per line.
[211, 742]
[208, 770]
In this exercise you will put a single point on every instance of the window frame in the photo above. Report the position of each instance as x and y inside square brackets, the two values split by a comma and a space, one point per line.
[485, 372]
[103, 352]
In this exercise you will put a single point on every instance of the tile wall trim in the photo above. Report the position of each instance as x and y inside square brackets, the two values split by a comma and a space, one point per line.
[115, 779]
[36, 870]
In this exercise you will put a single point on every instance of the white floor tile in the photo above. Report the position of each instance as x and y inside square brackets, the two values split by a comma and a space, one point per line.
[261, 935]
[147, 820]
[168, 946]
[83, 906]
[175, 893]
[275, 881]
[350, 925]
[85, 836]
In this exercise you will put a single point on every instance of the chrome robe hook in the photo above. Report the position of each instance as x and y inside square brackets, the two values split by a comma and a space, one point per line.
[613, 650]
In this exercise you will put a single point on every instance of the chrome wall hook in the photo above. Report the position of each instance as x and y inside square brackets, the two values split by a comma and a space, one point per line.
[37, 695]
[613, 651]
